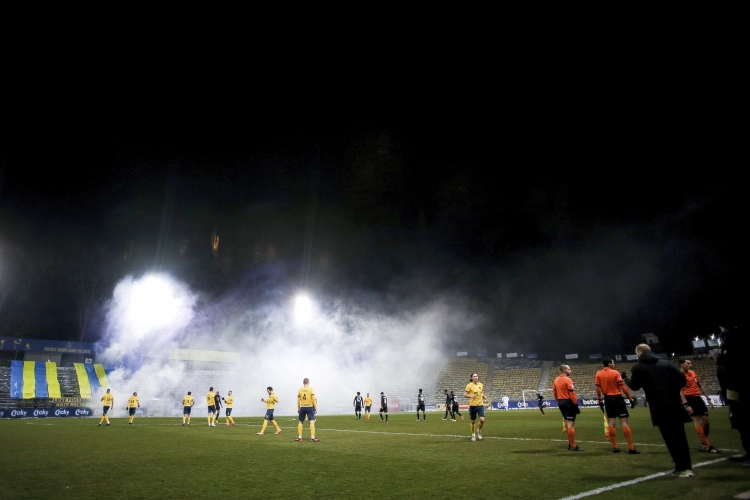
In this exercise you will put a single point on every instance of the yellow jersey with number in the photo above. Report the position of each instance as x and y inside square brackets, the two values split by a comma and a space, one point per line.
[306, 397]
[210, 399]
[229, 401]
[188, 401]
[107, 399]
[133, 402]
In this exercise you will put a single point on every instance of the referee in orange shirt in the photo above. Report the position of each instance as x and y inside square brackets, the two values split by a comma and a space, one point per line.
[567, 402]
[610, 384]
[691, 398]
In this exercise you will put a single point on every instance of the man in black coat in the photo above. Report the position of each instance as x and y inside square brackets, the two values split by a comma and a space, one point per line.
[732, 374]
[662, 382]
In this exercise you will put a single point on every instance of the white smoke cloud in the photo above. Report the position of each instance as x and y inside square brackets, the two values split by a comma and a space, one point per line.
[340, 352]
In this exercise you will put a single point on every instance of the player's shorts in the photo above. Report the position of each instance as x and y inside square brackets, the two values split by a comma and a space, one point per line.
[615, 407]
[697, 405]
[105, 410]
[228, 412]
[309, 411]
[476, 411]
[367, 408]
[269, 415]
[131, 411]
[211, 409]
[568, 409]
[186, 410]
[454, 408]
[420, 406]
[383, 409]
[357, 408]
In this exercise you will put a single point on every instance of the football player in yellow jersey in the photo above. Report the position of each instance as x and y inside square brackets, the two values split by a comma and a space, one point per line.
[270, 403]
[368, 404]
[307, 405]
[187, 406]
[132, 404]
[228, 411]
[211, 407]
[475, 392]
[109, 401]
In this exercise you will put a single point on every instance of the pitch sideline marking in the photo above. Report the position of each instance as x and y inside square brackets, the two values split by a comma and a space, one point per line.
[611, 487]
[428, 435]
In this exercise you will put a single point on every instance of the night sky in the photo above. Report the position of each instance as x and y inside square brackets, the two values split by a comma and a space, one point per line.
[559, 230]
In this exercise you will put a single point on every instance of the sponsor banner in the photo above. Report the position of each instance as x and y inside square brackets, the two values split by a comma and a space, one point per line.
[533, 355]
[394, 405]
[632, 357]
[48, 412]
[595, 356]
[511, 355]
[73, 412]
[588, 403]
[430, 407]
[618, 357]
[42, 412]
[715, 399]
[523, 405]
[62, 402]
[571, 356]
[201, 355]
[51, 346]
[481, 353]
[499, 355]
[463, 353]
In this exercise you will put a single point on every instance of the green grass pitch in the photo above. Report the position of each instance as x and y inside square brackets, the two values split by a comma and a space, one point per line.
[522, 455]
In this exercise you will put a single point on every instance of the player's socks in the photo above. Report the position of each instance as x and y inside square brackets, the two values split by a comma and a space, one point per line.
[209, 420]
[473, 428]
[188, 420]
[702, 435]
[480, 424]
[572, 437]
[312, 429]
[299, 430]
[628, 437]
[102, 420]
[705, 429]
[612, 436]
[275, 425]
[265, 424]
[231, 420]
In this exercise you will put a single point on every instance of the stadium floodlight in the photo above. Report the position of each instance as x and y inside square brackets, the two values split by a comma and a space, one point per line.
[303, 309]
[697, 338]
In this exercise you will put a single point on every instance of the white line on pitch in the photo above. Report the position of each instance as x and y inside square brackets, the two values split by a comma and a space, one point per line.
[611, 487]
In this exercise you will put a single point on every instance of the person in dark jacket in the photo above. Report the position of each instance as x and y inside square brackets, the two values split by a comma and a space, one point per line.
[662, 383]
[217, 403]
[731, 372]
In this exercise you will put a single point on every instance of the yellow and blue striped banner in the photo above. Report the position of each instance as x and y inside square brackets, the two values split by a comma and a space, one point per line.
[102, 376]
[29, 381]
[53, 385]
[83, 380]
